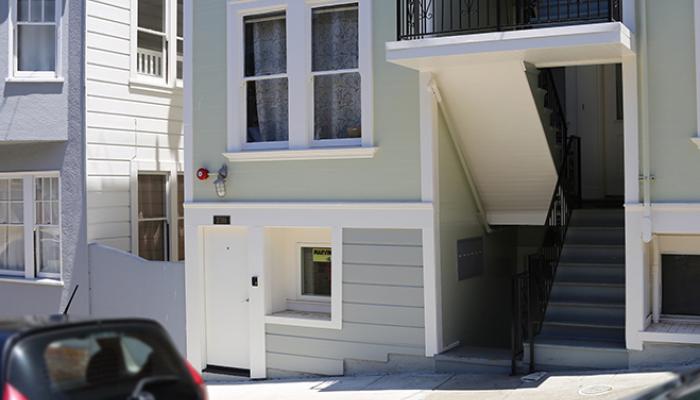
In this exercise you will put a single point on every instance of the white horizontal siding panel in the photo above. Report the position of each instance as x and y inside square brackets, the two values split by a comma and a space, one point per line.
[160, 154]
[96, 200]
[354, 332]
[107, 136]
[109, 167]
[106, 74]
[101, 40]
[110, 152]
[383, 275]
[108, 183]
[106, 59]
[307, 365]
[383, 236]
[108, 27]
[134, 108]
[124, 92]
[336, 349]
[383, 295]
[381, 254]
[389, 315]
[109, 10]
[130, 123]
[172, 141]
[109, 214]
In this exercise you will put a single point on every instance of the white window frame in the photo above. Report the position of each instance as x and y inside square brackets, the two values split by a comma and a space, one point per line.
[14, 75]
[171, 170]
[28, 198]
[301, 144]
[169, 81]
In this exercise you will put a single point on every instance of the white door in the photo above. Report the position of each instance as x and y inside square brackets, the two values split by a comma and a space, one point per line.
[614, 134]
[227, 298]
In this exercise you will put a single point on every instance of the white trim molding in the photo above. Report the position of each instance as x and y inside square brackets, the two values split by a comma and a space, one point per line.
[300, 82]
[326, 153]
[336, 216]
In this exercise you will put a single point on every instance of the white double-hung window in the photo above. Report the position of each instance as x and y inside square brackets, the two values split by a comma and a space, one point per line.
[157, 42]
[30, 228]
[300, 79]
[34, 39]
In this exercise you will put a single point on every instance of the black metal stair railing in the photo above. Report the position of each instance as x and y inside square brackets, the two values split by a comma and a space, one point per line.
[531, 288]
[418, 19]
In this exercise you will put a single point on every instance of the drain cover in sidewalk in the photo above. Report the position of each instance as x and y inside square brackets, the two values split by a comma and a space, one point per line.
[595, 390]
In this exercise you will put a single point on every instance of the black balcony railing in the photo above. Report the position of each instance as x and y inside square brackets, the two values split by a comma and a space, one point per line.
[418, 19]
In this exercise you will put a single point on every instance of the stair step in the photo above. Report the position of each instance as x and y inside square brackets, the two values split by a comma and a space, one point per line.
[565, 311]
[595, 235]
[593, 253]
[577, 292]
[565, 354]
[581, 331]
[598, 218]
[612, 322]
[611, 273]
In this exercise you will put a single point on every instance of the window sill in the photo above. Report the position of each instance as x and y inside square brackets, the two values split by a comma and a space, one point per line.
[151, 86]
[34, 282]
[302, 318]
[325, 153]
[32, 79]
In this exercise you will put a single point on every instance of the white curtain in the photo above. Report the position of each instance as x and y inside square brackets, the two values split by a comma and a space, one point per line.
[36, 48]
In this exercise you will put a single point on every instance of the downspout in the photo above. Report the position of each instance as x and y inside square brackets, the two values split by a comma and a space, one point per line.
[646, 176]
[481, 213]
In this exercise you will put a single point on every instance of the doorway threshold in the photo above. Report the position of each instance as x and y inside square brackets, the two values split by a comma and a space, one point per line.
[228, 371]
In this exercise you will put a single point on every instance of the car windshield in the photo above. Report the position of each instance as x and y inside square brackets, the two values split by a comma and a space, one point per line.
[99, 362]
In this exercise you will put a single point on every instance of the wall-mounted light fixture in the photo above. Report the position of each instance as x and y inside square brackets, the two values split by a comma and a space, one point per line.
[219, 183]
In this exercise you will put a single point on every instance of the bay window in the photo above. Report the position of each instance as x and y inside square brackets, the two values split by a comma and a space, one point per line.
[34, 38]
[157, 42]
[30, 228]
[300, 79]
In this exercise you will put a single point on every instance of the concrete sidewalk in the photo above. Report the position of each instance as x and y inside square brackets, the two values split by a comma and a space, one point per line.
[417, 386]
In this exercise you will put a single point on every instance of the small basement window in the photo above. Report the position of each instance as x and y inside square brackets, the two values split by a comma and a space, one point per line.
[316, 271]
[301, 264]
[680, 278]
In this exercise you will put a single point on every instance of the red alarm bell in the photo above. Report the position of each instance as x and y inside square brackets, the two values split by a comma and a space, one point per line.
[202, 174]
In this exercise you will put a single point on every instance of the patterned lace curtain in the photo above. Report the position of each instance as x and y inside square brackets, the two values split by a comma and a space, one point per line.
[337, 91]
[268, 101]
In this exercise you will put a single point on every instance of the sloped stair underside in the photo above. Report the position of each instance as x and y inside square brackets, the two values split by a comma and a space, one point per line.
[496, 117]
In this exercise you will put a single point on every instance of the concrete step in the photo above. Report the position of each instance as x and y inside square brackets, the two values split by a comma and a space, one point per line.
[552, 354]
[582, 292]
[598, 217]
[595, 235]
[608, 254]
[580, 311]
[580, 329]
[591, 272]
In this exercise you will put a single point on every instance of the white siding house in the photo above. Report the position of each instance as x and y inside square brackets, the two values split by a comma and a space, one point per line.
[134, 125]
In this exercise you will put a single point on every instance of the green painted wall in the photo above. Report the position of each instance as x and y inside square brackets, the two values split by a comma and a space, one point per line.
[675, 161]
[393, 175]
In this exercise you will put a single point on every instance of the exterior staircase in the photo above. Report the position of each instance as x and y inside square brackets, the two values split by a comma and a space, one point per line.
[584, 326]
